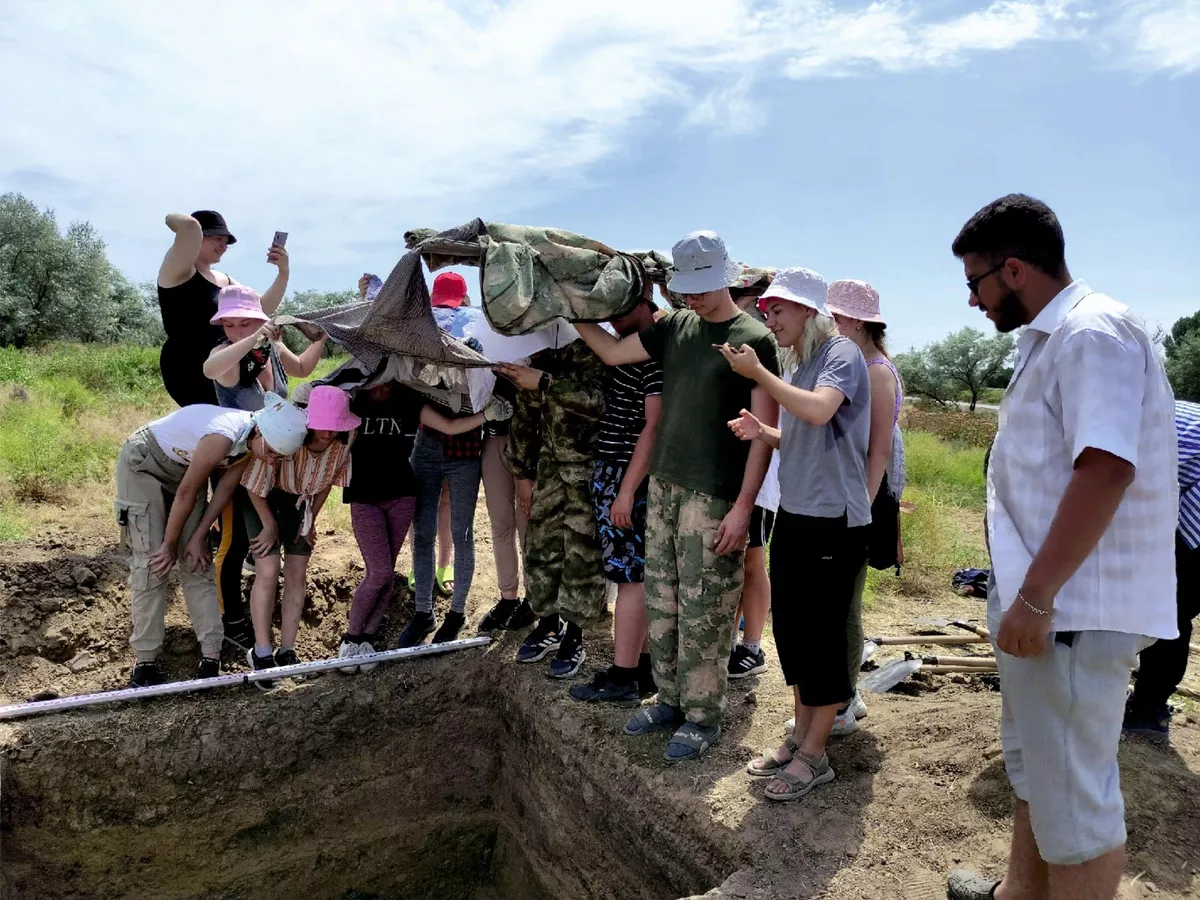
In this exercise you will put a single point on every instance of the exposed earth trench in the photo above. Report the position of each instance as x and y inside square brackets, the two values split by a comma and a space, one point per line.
[468, 776]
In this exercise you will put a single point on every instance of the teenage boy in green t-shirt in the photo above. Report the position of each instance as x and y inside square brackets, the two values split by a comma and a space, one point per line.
[703, 483]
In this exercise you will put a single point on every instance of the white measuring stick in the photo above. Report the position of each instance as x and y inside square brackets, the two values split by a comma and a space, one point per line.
[20, 710]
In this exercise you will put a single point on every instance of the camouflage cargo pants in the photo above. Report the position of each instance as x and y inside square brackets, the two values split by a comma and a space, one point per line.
[691, 596]
[563, 570]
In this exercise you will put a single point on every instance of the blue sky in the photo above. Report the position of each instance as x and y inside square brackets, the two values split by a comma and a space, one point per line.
[851, 138]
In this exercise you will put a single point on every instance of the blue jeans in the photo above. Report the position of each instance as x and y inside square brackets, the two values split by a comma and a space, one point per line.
[431, 467]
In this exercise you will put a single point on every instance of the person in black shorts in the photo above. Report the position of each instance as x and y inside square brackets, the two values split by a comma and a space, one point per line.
[632, 400]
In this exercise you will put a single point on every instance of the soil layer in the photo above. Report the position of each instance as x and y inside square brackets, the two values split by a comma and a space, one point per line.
[471, 776]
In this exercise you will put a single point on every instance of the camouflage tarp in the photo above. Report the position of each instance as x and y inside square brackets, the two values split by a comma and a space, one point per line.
[530, 277]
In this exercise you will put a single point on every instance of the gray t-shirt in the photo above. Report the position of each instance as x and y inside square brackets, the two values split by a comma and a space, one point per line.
[823, 469]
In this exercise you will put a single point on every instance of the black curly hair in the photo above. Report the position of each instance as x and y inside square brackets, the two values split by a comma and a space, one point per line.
[1015, 227]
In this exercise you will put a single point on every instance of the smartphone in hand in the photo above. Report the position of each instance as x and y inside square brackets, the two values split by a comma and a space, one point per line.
[280, 239]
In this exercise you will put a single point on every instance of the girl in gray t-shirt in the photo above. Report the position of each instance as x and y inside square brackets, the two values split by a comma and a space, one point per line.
[819, 544]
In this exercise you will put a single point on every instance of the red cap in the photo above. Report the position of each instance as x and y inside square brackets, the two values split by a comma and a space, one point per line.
[449, 289]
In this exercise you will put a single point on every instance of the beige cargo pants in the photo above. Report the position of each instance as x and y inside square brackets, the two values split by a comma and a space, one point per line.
[147, 480]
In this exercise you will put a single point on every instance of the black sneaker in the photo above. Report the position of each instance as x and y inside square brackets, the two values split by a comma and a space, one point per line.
[541, 641]
[260, 663]
[289, 658]
[604, 690]
[208, 668]
[417, 630]
[744, 662]
[498, 615]
[147, 674]
[522, 617]
[569, 658]
[1156, 727]
[451, 626]
[240, 633]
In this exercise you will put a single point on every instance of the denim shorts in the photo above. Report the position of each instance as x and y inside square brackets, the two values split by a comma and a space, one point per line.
[1060, 725]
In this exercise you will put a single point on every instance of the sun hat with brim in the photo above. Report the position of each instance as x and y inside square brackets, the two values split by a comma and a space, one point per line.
[213, 223]
[238, 302]
[803, 286]
[700, 263]
[329, 410]
[282, 425]
[449, 289]
[855, 300]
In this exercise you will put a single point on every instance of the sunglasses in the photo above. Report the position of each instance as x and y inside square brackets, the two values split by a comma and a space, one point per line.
[973, 283]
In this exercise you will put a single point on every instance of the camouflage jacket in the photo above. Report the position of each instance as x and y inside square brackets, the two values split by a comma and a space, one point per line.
[563, 424]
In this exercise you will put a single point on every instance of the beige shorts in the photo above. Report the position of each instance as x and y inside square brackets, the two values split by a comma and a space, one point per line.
[1060, 725]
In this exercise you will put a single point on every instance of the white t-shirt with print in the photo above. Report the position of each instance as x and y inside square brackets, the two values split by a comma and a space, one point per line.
[179, 433]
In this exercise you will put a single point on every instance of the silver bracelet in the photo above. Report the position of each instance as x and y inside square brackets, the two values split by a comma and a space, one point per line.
[1036, 610]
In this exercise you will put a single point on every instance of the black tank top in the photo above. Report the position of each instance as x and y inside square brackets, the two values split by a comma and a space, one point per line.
[186, 309]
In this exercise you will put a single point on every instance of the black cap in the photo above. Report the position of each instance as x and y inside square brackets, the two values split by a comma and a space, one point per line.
[212, 222]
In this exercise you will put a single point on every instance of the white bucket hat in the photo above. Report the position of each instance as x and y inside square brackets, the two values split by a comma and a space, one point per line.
[803, 286]
[700, 263]
[281, 424]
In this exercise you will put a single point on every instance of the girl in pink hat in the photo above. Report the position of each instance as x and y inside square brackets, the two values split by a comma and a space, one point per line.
[248, 363]
[286, 497]
[855, 309]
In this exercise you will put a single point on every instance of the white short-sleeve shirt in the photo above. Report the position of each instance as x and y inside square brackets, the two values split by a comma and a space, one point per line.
[179, 433]
[1088, 375]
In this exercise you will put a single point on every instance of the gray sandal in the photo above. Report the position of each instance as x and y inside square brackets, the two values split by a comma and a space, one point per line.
[659, 717]
[767, 764]
[690, 741]
[796, 786]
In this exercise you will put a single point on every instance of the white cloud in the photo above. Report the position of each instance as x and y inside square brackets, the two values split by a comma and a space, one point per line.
[1163, 35]
[328, 118]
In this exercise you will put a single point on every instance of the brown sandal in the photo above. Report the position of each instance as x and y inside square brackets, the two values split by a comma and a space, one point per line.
[767, 764]
[796, 786]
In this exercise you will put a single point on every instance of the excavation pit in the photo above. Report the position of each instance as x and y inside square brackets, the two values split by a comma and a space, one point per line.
[433, 778]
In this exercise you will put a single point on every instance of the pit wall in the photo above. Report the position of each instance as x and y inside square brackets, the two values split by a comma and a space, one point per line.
[441, 778]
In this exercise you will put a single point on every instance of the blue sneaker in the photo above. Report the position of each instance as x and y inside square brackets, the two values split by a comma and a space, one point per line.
[543, 640]
[569, 658]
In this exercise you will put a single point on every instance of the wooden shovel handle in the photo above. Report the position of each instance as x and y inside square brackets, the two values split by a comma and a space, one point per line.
[933, 639]
[965, 670]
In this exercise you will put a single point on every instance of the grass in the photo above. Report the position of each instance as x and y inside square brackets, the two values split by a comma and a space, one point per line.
[64, 412]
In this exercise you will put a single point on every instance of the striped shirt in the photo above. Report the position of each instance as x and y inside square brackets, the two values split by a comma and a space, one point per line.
[625, 408]
[305, 473]
[1187, 430]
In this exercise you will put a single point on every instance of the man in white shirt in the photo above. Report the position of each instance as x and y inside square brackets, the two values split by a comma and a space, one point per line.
[1081, 510]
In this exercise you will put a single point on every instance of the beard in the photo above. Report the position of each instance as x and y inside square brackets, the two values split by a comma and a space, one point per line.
[1008, 314]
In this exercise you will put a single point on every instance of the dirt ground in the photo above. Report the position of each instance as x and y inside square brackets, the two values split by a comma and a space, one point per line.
[920, 788]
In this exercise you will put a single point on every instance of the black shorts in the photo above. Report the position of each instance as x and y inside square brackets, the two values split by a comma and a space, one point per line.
[289, 519]
[762, 520]
[623, 550]
[814, 565]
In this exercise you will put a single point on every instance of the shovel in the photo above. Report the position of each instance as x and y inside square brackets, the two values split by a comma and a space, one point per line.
[884, 679]
[940, 640]
[955, 623]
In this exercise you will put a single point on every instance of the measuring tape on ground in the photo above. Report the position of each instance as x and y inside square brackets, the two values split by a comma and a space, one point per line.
[58, 704]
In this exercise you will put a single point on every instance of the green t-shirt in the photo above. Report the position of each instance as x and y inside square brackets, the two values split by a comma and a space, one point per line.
[693, 446]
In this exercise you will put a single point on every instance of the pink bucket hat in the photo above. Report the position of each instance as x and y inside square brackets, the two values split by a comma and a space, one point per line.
[238, 302]
[329, 410]
[855, 300]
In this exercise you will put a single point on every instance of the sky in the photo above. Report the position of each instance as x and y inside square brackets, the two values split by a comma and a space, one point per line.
[851, 138]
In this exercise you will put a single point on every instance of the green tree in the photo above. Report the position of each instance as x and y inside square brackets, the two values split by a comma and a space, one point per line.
[964, 362]
[1181, 348]
[921, 380]
[60, 285]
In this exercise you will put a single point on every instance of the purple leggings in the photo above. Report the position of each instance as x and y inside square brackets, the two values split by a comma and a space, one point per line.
[380, 529]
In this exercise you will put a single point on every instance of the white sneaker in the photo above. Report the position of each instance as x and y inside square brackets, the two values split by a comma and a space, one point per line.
[348, 650]
[858, 706]
[363, 649]
[844, 724]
